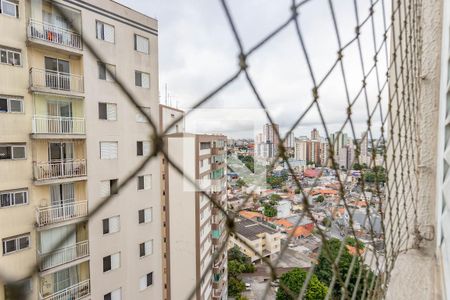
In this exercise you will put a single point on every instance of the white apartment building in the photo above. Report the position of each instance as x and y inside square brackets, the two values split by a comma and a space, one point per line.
[68, 138]
[195, 228]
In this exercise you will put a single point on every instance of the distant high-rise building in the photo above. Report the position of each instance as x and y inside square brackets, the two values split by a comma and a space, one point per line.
[301, 148]
[315, 134]
[289, 142]
[364, 157]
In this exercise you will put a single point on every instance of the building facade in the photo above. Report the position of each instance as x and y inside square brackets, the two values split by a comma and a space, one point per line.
[69, 136]
[195, 227]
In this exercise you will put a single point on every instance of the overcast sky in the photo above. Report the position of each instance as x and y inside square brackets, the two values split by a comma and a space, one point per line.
[197, 52]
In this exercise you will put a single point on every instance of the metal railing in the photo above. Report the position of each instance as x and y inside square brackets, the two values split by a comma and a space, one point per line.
[60, 213]
[54, 80]
[45, 170]
[76, 291]
[63, 255]
[53, 34]
[58, 125]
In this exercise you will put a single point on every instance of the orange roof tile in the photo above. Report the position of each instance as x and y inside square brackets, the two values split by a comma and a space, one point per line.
[301, 231]
[250, 214]
[284, 223]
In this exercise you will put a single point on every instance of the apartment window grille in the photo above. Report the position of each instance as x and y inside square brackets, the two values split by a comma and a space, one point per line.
[114, 295]
[140, 118]
[146, 248]
[12, 152]
[103, 73]
[145, 215]
[105, 32]
[141, 44]
[107, 111]
[13, 198]
[111, 262]
[108, 150]
[11, 105]
[142, 79]
[145, 281]
[15, 244]
[9, 8]
[111, 225]
[144, 182]
[10, 57]
[143, 148]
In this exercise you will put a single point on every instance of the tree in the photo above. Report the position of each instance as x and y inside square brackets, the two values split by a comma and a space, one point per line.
[326, 222]
[235, 287]
[357, 166]
[275, 197]
[324, 270]
[269, 211]
[240, 183]
[235, 268]
[294, 279]
[320, 199]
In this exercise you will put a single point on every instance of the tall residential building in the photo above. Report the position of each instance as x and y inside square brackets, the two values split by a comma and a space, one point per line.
[289, 142]
[68, 138]
[195, 228]
[315, 134]
[364, 144]
[301, 148]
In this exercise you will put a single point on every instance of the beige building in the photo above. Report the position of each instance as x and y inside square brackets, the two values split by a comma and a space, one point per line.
[194, 227]
[264, 239]
[68, 137]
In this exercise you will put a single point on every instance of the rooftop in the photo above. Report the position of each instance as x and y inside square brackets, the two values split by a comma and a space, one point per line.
[251, 229]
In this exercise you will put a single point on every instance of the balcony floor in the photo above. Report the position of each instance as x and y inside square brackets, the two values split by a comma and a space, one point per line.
[49, 46]
[59, 180]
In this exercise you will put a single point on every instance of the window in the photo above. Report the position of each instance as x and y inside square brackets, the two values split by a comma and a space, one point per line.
[144, 182]
[10, 56]
[14, 244]
[13, 198]
[145, 281]
[103, 73]
[142, 79]
[111, 262]
[141, 44]
[11, 105]
[108, 150]
[141, 118]
[146, 248]
[107, 111]
[143, 148]
[111, 225]
[205, 145]
[12, 152]
[145, 215]
[108, 187]
[105, 32]
[114, 295]
[18, 290]
[9, 8]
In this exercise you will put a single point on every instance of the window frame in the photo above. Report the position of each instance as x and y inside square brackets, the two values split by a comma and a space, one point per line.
[111, 262]
[144, 187]
[146, 277]
[136, 72]
[12, 146]
[98, 22]
[143, 212]
[17, 243]
[110, 142]
[107, 104]
[136, 36]
[8, 104]
[13, 52]
[111, 69]
[144, 244]
[109, 225]
[12, 197]
[16, 10]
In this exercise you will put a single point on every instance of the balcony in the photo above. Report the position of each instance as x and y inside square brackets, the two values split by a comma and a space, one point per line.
[49, 81]
[219, 264]
[217, 151]
[45, 171]
[218, 224]
[218, 236]
[74, 292]
[218, 281]
[47, 126]
[52, 36]
[61, 213]
[217, 165]
[64, 255]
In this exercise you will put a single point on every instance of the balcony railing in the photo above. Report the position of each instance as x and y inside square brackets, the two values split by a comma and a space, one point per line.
[53, 34]
[54, 80]
[64, 255]
[77, 291]
[58, 125]
[60, 213]
[46, 170]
